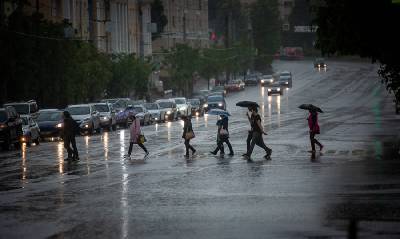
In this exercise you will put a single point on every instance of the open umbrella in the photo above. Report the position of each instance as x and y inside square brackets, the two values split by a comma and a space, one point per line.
[247, 104]
[218, 112]
[310, 107]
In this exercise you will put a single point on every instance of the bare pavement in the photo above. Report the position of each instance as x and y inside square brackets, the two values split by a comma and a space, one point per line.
[350, 190]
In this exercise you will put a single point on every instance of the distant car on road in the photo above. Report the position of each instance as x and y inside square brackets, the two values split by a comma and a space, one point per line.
[235, 85]
[197, 107]
[319, 63]
[51, 123]
[266, 80]
[275, 89]
[31, 131]
[142, 114]
[251, 80]
[215, 102]
[218, 89]
[157, 114]
[285, 79]
[184, 108]
[170, 107]
[10, 128]
[107, 115]
[26, 108]
[86, 116]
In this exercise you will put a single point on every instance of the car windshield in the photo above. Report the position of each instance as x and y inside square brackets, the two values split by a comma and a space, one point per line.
[24, 120]
[138, 109]
[102, 108]
[22, 109]
[194, 102]
[79, 110]
[267, 76]
[180, 101]
[165, 104]
[215, 98]
[3, 116]
[285, 74]
[49, 116]
[151, 106]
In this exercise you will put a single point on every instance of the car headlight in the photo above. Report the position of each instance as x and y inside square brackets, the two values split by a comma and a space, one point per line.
[105, 118]
[205, 105]
[220, 104]
[278, 89]
[262, 81]
[286, 82]
[168, 112]
[271, 80]
[269, 90]
[59, 125]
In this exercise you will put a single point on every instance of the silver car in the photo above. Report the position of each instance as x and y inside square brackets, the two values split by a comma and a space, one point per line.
[183, 106]
[31, 131]
[157, 114]
[86, 116]
[170, 107]
[107, 115]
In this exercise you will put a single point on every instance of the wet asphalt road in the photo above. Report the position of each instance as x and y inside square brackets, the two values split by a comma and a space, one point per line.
[352, 187]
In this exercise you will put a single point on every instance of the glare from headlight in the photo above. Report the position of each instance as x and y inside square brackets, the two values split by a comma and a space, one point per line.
[219, 104]
[59, 125]
[197, 113]
[168, 112]
[105, 118]
[279, 89]
[271, 80]
[86, 126]
[205, 105]
[262, 81]
[286, 82]
[269, 89]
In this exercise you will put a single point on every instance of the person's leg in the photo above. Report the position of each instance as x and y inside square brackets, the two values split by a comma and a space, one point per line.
[187, 147]
[191, 147]
[312, 141]
[221, 146]
[73, 142]
[252, 144]
[215, 151]
[318, 143]
[248, 140]
[260, 142]
[67, 142]
[130, 148]
[229, 146]
[143, 147]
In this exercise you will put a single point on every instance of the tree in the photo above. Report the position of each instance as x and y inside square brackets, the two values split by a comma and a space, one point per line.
[266, 31]
[346, 30]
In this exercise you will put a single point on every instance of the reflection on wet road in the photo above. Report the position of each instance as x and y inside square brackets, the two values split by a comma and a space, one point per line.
[167, 196]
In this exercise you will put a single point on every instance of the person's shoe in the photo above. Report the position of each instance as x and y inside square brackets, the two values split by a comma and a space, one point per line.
[213, 152]
[246, 156]
[269, 152]
[267, 157]
[321, 147]
[193, 152]
[147, 154]
[68, 159]
[231, 154]
[221, 155]
[127, 156]
[76, 158]
[187, 155]
[311, 151]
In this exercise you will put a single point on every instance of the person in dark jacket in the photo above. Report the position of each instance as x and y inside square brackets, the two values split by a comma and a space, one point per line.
[257, 135]
[314, 129]
[68, 135]
[223, 136]
[188, 134]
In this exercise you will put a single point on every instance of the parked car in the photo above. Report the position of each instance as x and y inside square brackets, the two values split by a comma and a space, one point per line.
[26, 108]
[170, 107]
[157, 114]
[275, 89]
[235, 85]
[184, 108]
[285, 79]
[50, 123]
[319, 63]
[31, 131]
[251, 80]
[197, 107]
[266, 80]
[142, 114]
[86, 116]
[107, 115]
[10, 128]
[215, 102]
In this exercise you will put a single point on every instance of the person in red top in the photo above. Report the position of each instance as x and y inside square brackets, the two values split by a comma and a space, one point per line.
[314, 129]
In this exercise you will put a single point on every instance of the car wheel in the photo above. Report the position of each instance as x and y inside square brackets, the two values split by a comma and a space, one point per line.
[37, 141]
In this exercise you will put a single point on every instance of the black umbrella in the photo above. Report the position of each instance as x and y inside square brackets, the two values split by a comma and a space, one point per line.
[247, 104]
[310, 107]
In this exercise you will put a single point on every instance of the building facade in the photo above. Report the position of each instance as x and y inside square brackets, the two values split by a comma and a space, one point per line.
[187, 23]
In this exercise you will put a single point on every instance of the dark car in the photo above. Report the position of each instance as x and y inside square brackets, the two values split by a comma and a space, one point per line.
[220, 89]
[50, 123]
[197, 107]
[215, 102]
[275, 89]
[285, 79]
[319, 63]
[251, 80]
[10, 128]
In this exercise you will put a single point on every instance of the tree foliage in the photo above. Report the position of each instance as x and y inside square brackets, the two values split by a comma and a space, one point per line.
[346, 29]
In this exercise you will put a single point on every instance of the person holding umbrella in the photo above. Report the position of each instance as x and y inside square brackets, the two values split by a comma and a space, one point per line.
[257, 133]
[188, 134]
[135, 134]
[68, 135]
[313, 124]
[314, 129]
[223, 136]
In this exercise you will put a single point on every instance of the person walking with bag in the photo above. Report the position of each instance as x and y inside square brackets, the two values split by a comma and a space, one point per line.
[68, 135]
[314, 129]
[188, 134]
[223, 136]
[136, 136]
[257, 135]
